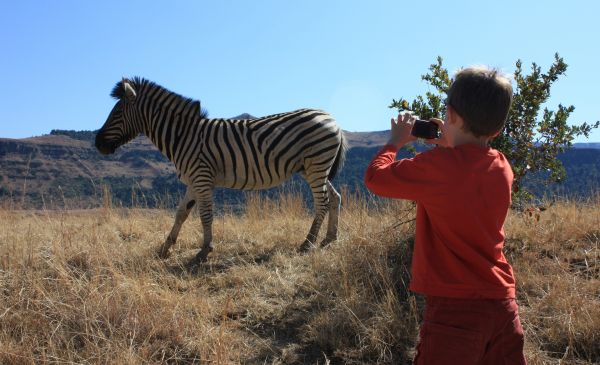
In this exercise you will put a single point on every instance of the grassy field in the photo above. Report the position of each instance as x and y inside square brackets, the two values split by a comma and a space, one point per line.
[86, 287]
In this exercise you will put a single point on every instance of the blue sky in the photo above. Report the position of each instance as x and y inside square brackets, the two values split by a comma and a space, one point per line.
[60, 59]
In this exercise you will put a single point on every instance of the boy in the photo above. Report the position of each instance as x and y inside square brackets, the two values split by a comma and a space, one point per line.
[463, 193]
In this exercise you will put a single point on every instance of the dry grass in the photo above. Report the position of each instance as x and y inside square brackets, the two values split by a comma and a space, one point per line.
[85, 287]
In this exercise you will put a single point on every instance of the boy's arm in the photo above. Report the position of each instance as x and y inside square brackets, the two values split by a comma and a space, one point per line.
[404, 179]
[379, 178]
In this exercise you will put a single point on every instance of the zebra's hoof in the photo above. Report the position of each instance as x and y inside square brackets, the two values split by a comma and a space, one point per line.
[163, 253]
[194, 264]
[327, 241]
[202, 256]
[306, 246]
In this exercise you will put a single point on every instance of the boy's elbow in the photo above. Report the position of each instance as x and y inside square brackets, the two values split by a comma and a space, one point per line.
[376, 177]
[377, 189]
[371, 182]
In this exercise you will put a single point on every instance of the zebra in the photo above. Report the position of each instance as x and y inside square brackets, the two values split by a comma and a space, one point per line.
[239, 154]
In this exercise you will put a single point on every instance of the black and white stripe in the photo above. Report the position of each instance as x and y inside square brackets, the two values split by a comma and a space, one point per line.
[239, 154]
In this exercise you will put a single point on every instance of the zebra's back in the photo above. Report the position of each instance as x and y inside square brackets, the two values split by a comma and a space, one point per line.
[264, 152]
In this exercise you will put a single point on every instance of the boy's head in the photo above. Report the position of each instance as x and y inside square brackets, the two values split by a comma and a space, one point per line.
[482, 98]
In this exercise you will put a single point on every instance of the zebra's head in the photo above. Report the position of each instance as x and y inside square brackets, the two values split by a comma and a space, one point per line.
[122, 124]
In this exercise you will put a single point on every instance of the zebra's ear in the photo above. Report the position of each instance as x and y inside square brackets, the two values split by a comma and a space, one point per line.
[129, 91]
[196, 107]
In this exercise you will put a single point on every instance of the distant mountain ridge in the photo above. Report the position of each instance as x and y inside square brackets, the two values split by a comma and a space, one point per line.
[64, 168]
[592, 145]
[356, 139]
[244, 116]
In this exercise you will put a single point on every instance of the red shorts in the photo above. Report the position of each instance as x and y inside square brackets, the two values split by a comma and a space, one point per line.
[470, 331]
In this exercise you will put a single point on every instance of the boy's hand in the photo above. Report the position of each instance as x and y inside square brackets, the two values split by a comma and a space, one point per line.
[442, 140]
[401, 128]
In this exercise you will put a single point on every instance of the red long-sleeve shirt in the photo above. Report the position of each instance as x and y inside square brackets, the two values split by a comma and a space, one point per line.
[463, 195]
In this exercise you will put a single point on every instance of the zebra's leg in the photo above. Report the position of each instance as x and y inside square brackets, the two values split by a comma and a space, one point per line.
[183, 211]
[206, 215]
[334, 211]
[321, 200]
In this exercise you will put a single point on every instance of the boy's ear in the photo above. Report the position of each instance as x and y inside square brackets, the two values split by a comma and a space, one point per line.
[450, 114]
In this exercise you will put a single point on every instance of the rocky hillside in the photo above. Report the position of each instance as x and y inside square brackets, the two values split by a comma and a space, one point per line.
[56, 168]
[64, 169]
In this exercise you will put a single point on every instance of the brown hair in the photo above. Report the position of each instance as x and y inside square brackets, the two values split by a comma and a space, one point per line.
[482, 97]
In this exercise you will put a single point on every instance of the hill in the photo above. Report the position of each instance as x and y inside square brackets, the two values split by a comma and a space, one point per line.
[64, 169]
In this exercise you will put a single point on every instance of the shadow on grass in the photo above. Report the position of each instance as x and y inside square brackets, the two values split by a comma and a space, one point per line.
[287, 344]
[185, 267]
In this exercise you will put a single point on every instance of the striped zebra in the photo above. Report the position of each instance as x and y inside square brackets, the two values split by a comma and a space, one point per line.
[239, 154]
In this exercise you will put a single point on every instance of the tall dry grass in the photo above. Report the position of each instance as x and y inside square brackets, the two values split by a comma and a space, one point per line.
[85, 287]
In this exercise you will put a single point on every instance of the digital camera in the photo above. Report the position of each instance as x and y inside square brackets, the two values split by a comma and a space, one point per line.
[425, 129]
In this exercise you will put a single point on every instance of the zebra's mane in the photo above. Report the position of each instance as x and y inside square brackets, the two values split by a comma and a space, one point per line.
[143, 86]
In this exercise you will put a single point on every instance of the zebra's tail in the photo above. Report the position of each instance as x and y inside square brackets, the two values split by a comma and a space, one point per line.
[340, 158]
